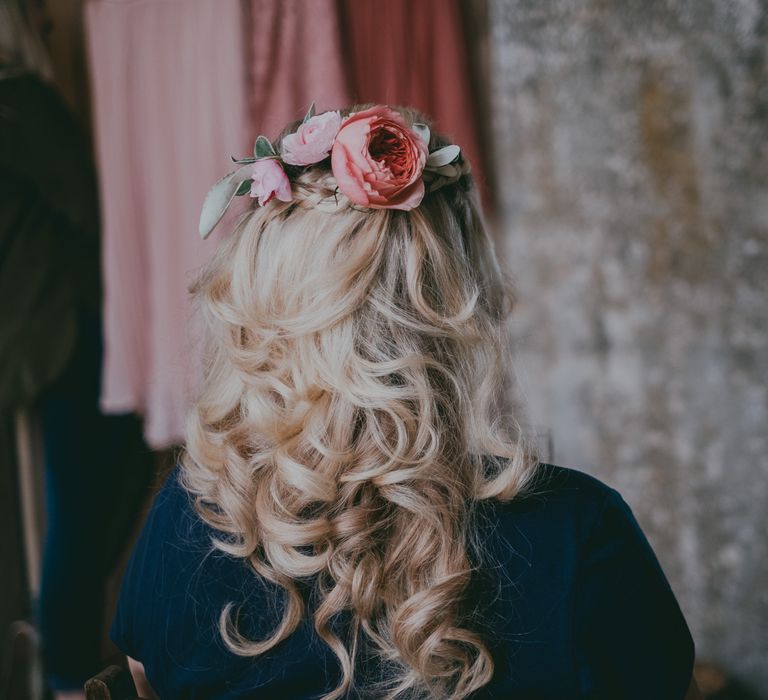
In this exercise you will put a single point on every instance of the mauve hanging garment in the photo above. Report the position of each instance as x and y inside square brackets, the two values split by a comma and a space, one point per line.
[295, 57]
[415, 53]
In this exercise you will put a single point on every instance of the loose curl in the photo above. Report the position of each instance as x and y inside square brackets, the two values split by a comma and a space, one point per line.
[353, 413]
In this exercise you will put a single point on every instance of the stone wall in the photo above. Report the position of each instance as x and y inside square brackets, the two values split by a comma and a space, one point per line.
[631, 146]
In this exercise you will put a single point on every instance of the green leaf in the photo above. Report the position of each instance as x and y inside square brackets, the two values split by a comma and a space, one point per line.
[244, 188]
[243, 161]
[219, 197]
[263, 148]
[310, 113]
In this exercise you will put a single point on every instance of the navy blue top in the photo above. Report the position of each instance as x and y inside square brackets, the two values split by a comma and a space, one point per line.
[573, 596]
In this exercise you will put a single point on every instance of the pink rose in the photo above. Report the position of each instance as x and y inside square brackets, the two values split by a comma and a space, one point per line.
[377, 160]
[312, 141]
[270, 180]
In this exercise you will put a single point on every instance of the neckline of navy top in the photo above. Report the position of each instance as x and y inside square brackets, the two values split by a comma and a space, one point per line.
[574, 600]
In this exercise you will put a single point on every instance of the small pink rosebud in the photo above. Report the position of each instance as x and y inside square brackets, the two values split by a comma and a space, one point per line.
[270, 180]
[312, 141]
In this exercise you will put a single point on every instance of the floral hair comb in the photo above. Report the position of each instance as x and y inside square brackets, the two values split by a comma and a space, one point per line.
[376, 159]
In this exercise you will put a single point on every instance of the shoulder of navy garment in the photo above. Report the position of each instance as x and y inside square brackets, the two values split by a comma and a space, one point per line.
[582, 608]
[569, 594]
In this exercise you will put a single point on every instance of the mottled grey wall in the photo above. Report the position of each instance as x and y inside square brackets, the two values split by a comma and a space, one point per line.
[632, 159]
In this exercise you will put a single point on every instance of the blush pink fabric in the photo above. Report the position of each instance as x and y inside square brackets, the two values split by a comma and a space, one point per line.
[178, 86]
[169, 103]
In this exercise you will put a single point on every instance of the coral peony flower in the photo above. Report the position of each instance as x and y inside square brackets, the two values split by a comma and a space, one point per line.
[270, 180]
[312, 141]
[377, 160]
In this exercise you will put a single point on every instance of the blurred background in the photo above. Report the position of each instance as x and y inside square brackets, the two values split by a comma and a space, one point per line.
[621, 150]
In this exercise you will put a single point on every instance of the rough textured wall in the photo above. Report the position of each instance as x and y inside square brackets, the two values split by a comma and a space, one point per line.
[632, 160]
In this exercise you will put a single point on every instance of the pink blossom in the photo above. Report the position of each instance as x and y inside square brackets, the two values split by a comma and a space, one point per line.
[377, 160]
[312, 141]
[270, 180]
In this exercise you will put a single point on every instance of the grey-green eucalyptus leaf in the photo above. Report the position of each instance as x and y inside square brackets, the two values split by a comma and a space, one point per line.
[423, 131]
[443, 156]
[219, 197]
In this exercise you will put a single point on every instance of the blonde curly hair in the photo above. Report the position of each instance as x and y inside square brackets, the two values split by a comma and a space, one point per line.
[354, 411]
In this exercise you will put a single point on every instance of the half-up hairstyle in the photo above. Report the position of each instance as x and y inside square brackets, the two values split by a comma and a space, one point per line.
[354, 411]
